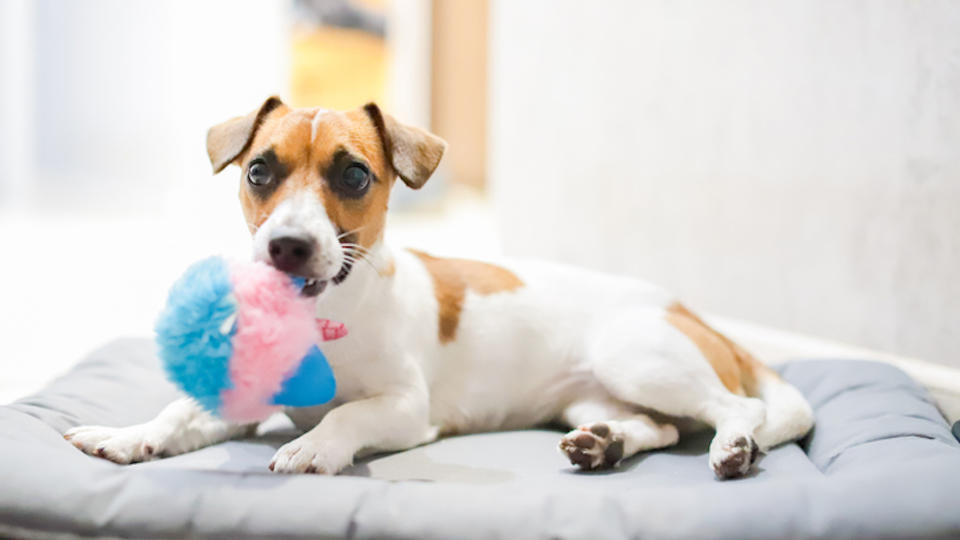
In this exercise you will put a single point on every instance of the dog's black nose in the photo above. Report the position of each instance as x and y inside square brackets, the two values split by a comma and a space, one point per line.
[290, 254]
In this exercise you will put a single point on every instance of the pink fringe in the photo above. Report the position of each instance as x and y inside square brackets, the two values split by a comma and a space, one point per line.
[275, 328]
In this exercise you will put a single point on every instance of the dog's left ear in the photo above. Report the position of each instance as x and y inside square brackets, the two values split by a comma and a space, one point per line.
[413, 152]
[226, 141]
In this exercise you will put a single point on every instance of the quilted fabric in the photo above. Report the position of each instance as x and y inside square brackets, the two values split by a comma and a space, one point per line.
[881, 463]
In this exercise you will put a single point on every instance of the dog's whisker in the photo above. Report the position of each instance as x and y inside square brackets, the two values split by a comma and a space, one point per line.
[355, 252]
[356, 257]
[357, 249]
[368, 260]
[341, 235]
[360, 256]
[352, 256]
[374, 268]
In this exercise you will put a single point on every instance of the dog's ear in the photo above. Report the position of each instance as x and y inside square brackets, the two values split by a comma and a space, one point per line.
[227, 141]
[413, 152]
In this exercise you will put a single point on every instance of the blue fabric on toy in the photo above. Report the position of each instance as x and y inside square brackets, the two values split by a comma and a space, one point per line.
[195, 352]
[312, 383]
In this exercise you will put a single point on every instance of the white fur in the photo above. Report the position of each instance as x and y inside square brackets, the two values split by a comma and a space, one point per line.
[181, 427]
[569, 345]
[302, 216]
[315, 123]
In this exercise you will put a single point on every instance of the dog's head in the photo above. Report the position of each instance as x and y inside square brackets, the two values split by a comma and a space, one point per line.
[315, 184]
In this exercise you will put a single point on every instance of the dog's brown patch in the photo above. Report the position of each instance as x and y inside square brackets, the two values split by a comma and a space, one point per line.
[291, 136]
[715, 347]
[306, 144]
[256, 210]
[738, 370]
[452, 278]
[356, 133]
[227, 141]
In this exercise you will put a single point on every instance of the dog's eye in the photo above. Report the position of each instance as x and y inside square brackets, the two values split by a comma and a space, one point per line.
[258, 173]
[356, 177]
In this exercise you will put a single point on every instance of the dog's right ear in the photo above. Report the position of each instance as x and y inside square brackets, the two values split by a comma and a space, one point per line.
[227, 141]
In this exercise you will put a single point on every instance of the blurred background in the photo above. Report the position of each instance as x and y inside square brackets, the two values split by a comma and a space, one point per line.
[791, 167]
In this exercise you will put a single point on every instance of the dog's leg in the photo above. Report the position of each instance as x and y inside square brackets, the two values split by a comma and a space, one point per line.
[180, 427]
[641, 359]
[384, 422]
[733, 450]
[608, 432]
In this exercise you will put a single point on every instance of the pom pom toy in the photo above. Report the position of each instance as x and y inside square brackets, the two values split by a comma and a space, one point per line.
[241, 340]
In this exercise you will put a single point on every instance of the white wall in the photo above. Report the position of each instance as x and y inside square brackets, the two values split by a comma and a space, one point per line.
[794, 163]
[16, 101]
[111, 99]
[106, 194]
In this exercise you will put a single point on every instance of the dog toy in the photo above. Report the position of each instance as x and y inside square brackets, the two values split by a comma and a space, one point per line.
[240, 339]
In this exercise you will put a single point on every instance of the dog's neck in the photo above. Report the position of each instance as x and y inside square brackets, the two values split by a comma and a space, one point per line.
[363, 288]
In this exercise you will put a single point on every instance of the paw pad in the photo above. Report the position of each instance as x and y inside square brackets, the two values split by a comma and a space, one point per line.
[739, 456]
[592, 447]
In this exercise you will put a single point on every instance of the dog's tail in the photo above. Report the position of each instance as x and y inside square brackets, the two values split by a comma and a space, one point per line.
[789, 416]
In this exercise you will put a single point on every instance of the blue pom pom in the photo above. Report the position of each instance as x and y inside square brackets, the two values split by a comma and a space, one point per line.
[195, 329]
[312, 384]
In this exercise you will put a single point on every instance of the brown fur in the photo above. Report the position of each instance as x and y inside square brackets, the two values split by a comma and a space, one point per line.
[737, 369]
[226, 141]
[363, 132]
[413, 152]
[452, 278]
[288, 132]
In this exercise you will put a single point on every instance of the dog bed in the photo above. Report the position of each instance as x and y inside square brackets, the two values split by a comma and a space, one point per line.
[880, 463]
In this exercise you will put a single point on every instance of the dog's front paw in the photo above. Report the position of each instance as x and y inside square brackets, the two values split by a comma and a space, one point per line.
[119, 445]
[307, 455]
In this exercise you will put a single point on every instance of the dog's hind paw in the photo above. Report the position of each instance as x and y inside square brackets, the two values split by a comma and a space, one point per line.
[593, 446]
[733, 457]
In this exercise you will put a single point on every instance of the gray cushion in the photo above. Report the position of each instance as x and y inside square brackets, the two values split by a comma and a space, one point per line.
[881, 462]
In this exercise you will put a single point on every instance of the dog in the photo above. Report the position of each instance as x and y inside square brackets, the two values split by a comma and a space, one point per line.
[441, 346]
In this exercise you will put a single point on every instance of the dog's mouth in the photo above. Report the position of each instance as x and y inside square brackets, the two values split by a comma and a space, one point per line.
[313, 287]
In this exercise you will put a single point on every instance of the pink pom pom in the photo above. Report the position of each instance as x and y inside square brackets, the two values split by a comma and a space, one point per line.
[275, 326]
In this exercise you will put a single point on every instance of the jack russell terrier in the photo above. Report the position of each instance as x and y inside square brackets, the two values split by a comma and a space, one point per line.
[442, 346]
